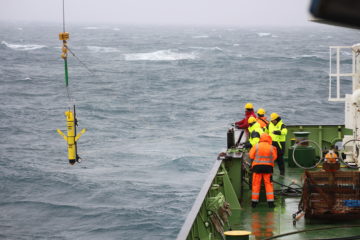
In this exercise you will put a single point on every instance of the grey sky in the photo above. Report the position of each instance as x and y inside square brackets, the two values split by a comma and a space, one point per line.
[164, 12]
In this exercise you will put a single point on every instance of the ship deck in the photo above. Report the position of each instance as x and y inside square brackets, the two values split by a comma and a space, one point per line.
[266, 223]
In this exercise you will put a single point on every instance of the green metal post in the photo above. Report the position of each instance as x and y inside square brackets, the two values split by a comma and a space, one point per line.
[320, 141]
[66, 73]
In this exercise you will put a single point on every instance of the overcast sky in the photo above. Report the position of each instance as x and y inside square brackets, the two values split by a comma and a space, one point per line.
[164, 12]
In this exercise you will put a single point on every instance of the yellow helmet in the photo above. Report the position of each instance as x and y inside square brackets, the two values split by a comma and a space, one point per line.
[274, 116]
[249, 106]
[261, 111]
[251, 120]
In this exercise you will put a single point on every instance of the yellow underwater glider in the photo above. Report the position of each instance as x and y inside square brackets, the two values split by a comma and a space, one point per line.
[71, 137]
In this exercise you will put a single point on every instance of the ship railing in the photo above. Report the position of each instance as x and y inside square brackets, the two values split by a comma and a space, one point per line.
[340, 59]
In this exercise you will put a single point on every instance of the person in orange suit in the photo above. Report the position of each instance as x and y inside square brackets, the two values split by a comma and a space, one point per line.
[263, 155]
[331, 156]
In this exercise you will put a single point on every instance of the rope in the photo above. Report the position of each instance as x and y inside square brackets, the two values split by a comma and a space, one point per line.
[310, 230]
[82, 63]
[341, 158]
[290, 191]
[297, 164]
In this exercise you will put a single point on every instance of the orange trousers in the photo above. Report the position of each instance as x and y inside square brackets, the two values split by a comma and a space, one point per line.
[256, 185]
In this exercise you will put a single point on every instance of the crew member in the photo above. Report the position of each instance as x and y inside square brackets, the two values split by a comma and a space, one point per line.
[331, 164]
[255, 132]
[331, 156]
[249, 111]
[277, 130]
[263, 155]
[261, 119]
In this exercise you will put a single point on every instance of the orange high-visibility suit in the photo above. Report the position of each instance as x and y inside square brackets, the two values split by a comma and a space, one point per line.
[262, 121]
[263, 155]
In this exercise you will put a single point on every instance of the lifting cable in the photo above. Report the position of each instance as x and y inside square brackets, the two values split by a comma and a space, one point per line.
[64, 55]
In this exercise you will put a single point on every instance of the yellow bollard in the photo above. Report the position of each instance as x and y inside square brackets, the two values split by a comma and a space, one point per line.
[237, 235]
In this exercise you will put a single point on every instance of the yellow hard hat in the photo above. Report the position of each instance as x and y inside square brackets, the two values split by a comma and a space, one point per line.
[274, 116]
[251, 120]
[249, 106]
[261, 111]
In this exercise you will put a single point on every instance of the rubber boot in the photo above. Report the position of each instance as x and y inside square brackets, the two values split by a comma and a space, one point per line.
[253, 204]
[271, 204]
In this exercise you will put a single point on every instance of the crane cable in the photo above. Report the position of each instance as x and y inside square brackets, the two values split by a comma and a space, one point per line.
[64, 36]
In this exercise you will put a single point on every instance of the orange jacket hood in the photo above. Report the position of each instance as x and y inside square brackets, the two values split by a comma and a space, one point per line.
[265, 138]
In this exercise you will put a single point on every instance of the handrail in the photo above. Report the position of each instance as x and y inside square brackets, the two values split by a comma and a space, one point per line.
[185, 230]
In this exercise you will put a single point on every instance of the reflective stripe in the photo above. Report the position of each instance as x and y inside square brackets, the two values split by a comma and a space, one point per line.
[255, 193]
[269, 193]
[261, 161]
[258, 159]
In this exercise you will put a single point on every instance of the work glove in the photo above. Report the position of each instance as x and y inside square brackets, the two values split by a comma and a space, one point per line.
[247, 145]
[277, 132]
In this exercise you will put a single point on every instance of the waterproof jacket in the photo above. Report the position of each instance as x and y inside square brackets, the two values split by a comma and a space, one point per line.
[262, 121]
[243, 124]
[255, 132]
[280, 126]
[263, 155]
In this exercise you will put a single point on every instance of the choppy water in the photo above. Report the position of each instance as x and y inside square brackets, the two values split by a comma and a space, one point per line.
[157, 109]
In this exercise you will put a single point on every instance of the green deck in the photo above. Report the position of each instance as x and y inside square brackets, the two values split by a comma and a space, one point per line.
[264, 222]
[229, 178]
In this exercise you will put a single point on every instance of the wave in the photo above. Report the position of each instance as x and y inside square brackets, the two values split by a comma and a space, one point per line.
[201, 36]
[208, 48]
[263, 34]
[91, 28]
[162, 55]
[25, 47]
[103, 49]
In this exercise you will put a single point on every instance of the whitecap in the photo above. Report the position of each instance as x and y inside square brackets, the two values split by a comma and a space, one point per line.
[344, 53]
[25, 47]
[263, 34]
[309, 56]
[208, 48]
[162, 55]
[20, 29]
[236, 44]
[91, 28]
[98, 49]
[116, 29]
[201, 36]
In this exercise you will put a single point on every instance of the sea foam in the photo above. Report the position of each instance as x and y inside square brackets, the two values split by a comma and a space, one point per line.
[98, 49]
[25, 47]
[162, 55]
[263, 34]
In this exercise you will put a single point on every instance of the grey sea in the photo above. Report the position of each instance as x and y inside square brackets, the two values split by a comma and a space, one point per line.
[156, 103]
